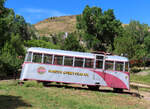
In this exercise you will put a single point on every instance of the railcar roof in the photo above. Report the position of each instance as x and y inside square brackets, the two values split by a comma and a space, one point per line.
[61, 52]
[74, 53]
[116, 58]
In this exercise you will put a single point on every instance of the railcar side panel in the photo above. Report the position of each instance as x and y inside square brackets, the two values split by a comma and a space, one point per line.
[35, 71]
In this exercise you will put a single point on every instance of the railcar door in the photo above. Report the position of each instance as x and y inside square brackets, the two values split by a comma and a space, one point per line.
[99, 75]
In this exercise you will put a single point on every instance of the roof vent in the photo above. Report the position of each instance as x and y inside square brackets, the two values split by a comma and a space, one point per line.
[101, 52]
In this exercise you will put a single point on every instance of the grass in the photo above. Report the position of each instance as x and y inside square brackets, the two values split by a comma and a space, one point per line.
[140, 78]
[34, 96]
[144, 89]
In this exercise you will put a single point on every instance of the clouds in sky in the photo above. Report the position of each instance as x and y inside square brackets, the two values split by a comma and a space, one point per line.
[34, 15]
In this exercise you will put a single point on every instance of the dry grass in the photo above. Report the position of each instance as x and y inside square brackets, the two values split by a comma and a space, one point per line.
[56, 25]
[140, 78]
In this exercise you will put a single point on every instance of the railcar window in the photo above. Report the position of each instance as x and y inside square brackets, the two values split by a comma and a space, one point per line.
[99, 64]
[48, 59]
[126, 66]
[78, 62]
[68, 61]
[119, 66]
[37, 57]
[109, 65]
[29, 55]
[58, 60]
[89, 63]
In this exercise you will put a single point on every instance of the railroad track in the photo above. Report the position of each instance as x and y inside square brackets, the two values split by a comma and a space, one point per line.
[134, 84]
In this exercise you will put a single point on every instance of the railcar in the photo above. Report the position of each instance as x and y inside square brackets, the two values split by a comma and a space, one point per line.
[91, 69]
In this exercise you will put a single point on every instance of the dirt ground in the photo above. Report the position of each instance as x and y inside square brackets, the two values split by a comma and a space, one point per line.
[145, 96]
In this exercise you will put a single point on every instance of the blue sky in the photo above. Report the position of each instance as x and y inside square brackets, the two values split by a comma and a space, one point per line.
[37, 10]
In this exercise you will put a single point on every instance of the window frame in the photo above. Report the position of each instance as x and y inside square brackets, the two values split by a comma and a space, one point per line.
[113, 67]
[36, 53]
[123, 67]
[47, 55]
[82, 62]
[26, 58]
[93, 61]
[57, 62]
[72, 60]
[99, 59]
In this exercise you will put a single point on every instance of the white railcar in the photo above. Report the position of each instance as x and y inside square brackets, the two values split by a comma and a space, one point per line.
[93, 70]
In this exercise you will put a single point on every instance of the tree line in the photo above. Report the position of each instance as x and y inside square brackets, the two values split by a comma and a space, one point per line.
[14, 31]
[96, 30]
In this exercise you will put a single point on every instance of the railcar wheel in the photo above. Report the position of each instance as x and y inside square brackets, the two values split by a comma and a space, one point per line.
[93, 87]
[20, 83]
[45, 83]
[118, 90]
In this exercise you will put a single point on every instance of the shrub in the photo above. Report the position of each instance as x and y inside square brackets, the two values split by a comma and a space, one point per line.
[41, 43]
[135, 70]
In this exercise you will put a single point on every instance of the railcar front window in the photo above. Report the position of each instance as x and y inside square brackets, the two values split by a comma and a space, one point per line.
[48, 59]
[109, 65]
[119, 66]
[37, 58]
[126, 66]
[78, 62]
[68, 61]
[89, 63]
[29, 55]
[58, 60]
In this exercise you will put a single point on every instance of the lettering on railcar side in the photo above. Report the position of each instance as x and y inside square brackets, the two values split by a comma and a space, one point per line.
[68, 73]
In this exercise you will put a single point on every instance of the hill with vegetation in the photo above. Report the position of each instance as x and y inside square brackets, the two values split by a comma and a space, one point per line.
[56, 24]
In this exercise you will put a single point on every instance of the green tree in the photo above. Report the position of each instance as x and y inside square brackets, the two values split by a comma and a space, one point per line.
[71, 43]
[25, 30]
[147, 44]
[11, 23]
[13, 31]
[134, 42]
[98, 28]
[5, 21]
[58, 39]
[125, 45]
[11, 56]
[137, 30]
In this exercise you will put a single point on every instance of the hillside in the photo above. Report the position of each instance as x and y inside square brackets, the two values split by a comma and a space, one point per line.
[56, 24]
